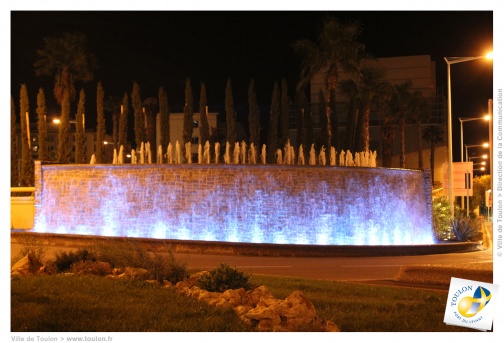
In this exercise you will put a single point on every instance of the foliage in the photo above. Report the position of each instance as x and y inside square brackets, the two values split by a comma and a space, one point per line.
[480, 185]
[136, 103]
[14, 150]
[161, 265]
[65, 260]
[188, 115]
[223, 278]
[465, 229]
[273, 123]
[27, 166]
[100, 124]
[42, 126]
[284, 113]
[441, 215]
[204, 129]
[230, 115]
[64, 129]
[123, 123]
[254, 115]
[80, 131]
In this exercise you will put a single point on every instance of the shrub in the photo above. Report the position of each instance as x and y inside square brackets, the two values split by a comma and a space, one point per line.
[161, 265]
[223, 278]
[466, 229]
[441, 215]
[65, 260]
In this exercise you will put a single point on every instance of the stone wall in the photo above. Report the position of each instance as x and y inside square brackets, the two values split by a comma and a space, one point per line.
[236, 203]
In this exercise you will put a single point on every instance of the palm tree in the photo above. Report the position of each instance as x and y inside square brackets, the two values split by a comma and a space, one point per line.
[382, 101]
[164, 118]
[337, 49]
[27, 166]
[419, 111]
[362, 91]
[402, 106]
[204, 129]
[230, 114]
[67, 59]
[434, 135]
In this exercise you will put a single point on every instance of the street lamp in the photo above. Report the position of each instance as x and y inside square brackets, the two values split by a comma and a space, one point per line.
[449, 61]
[485, 145]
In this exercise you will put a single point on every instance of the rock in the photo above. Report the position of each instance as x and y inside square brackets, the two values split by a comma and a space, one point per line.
[331, 327]
[28, 265]
[134, 273]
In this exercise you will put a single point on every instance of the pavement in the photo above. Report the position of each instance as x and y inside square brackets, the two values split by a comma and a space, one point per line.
[424, 276]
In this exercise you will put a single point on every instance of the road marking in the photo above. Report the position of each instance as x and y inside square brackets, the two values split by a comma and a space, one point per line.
[264, 267]
[374, 265]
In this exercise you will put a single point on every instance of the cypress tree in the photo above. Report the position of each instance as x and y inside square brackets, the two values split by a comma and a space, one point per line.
[80, 131]
[273, 124]
[254, 115]
[188, 115]
[164, 118]
[230, 115]
[324, 137]
[300, 119]
[64, 129]
[284, 113]
[14, 151]
[123, 122]
[333, 119]
[136, 103]
[204, 129]
[42, 126]
[27, 167]
[100, 124]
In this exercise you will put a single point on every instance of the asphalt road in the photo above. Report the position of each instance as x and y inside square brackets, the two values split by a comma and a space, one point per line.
[332, 268]
[324, 268]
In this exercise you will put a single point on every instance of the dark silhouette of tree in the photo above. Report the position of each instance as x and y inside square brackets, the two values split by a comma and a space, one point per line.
[284, 113]
[402, 106]
[64, 129]
[112, 105]
[382, 102]
[14, 151]
[324, 134]
[136, 103]
[100, 124]
[68, 60]
[230, 115]
[254, 116]
[301, 112]
[151, 107]
[164, 118]
[271, 147]
[337, 49]
[80, 129]
[27, 166]
[419, 110]
[434, 135]
[42, 126]
[188, 116]
[333, 121]
[204, 129]
[123, 122]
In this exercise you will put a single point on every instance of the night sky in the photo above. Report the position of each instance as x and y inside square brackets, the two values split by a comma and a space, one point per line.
[163, 48]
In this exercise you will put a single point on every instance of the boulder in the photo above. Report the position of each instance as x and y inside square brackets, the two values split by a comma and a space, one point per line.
[28, 265]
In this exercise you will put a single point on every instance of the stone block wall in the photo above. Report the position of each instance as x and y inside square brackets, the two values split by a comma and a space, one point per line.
[236, 203]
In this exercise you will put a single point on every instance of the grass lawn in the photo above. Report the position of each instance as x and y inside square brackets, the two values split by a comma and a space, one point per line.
[64, 303]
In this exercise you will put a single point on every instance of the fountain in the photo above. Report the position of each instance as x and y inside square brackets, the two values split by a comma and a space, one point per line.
[236, 153]
[120, 159]
[332, 160]
[322, 156]
[206, 153]
[252, 154]
[114, 157]
[227, 157]
[217, 152]
[159, 158]
[256, 203]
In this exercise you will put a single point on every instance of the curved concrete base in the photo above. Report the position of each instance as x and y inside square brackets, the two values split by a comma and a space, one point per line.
[253, 249]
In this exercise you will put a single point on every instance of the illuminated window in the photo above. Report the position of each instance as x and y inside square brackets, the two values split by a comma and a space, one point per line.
[196, 124]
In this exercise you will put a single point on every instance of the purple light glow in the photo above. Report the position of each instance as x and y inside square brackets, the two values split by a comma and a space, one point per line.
[235, 203]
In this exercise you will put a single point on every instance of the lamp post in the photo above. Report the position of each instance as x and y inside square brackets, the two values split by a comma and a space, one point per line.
[449, 61]
[485, 145]
[462, 121]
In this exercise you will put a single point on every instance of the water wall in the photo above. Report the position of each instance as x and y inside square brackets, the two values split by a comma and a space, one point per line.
[236, 203]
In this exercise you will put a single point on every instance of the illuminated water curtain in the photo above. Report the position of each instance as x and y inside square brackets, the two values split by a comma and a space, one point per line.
[234, 203]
